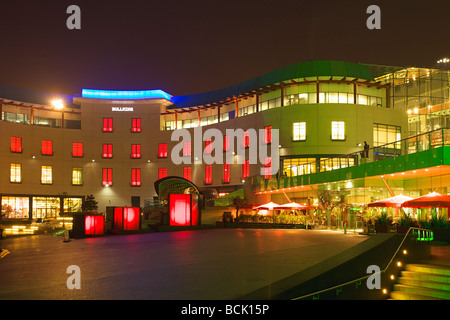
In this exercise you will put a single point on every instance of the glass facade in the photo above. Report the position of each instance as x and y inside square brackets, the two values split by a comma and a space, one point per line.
[424, 93]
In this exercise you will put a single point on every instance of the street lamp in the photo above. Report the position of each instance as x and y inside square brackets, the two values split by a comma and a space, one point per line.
[59, 105]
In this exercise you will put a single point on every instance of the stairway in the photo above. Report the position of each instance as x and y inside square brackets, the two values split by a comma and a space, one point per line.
[422, 282]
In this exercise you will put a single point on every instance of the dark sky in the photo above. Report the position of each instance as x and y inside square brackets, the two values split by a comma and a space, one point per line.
[186, 47]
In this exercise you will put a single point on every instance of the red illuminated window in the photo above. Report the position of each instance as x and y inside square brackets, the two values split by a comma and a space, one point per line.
[226, 143]
[135, 151]
[268, 134]
[77, 149]
[47, 147]
[135, 177]
[107, 124]
[136, 125]
[187, 173]
[162, 173]
[226, 173]
[187, 148]
[107, 177]
[208, 148]
[246, 169]
[208, 174]
[267, 168]
[162, 150]
[107, 150]
[246, 139]
[16, 144]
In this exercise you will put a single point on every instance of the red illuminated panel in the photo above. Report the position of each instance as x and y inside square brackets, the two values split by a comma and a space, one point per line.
[107, 124]
[246, 139]
[118, 218]
[47, 147]
[107, 177]
[131, 218]
[162, 173]
[135, 177]
[107, 150]
[226, 173]
[135, 151]
[226, 143]
[195, 210]
[268, 134]
[16, 144]
[77, 149]
[246, 169]
[267, 168]
[187, 173]
[208, 148]
[187, 148]
[180, 209]
[94, 225]
[136, 125]
[208, 174]
[162, 150]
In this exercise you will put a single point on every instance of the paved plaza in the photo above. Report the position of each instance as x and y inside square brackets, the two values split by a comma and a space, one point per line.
[212, 264]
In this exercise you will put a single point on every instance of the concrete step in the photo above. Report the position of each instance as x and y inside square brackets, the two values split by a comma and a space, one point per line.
[428, 292]
[425, 276]
[428, 268]
[425, 283]
[399, 295]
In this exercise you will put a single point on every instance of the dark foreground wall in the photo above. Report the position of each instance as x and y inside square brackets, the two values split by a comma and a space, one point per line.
[344, 267]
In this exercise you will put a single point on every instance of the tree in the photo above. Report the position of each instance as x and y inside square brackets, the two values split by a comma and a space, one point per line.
[90, 205]
[238, 203]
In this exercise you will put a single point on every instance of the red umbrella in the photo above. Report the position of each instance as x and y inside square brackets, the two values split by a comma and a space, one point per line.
[396, 201]
[433, 199]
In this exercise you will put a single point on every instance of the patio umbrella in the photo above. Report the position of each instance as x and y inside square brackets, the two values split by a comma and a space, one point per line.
[433, 199]
[268, 206]
[293, 205]
[396, 201]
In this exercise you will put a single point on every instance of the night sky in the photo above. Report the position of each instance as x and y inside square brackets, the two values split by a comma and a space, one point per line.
[187, 47]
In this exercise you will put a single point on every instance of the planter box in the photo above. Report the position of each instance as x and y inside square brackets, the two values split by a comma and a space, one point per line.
[385, 229]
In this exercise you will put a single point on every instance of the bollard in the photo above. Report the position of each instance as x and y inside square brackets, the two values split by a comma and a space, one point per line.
[345, 228]
[66, 236]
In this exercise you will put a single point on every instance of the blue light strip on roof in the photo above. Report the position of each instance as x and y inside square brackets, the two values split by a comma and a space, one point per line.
[108, 94]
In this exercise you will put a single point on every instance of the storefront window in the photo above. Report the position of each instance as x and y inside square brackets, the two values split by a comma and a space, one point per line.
[15, 207]
[72, 204]
[298, 166]
[46, 207]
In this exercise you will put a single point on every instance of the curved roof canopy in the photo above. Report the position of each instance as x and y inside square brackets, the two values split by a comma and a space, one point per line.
[174, 185]
[299, 70]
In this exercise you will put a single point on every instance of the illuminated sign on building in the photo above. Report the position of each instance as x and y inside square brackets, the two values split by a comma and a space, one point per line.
[122, 109]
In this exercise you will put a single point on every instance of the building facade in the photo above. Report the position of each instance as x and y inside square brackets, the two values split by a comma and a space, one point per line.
[58, 149]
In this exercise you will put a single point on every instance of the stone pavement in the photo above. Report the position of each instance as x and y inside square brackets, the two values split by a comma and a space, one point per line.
[213, 264]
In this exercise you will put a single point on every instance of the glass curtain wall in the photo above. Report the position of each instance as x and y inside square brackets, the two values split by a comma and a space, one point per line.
[424, 94]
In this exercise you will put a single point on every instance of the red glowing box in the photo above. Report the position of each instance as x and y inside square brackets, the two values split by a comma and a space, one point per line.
[183, 210]
[94, 225]
[126, 218]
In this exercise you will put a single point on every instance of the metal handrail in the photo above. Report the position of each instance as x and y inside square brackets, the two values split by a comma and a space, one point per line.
[367, 276]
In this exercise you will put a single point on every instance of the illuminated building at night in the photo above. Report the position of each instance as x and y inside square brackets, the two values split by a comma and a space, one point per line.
[57, 149]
